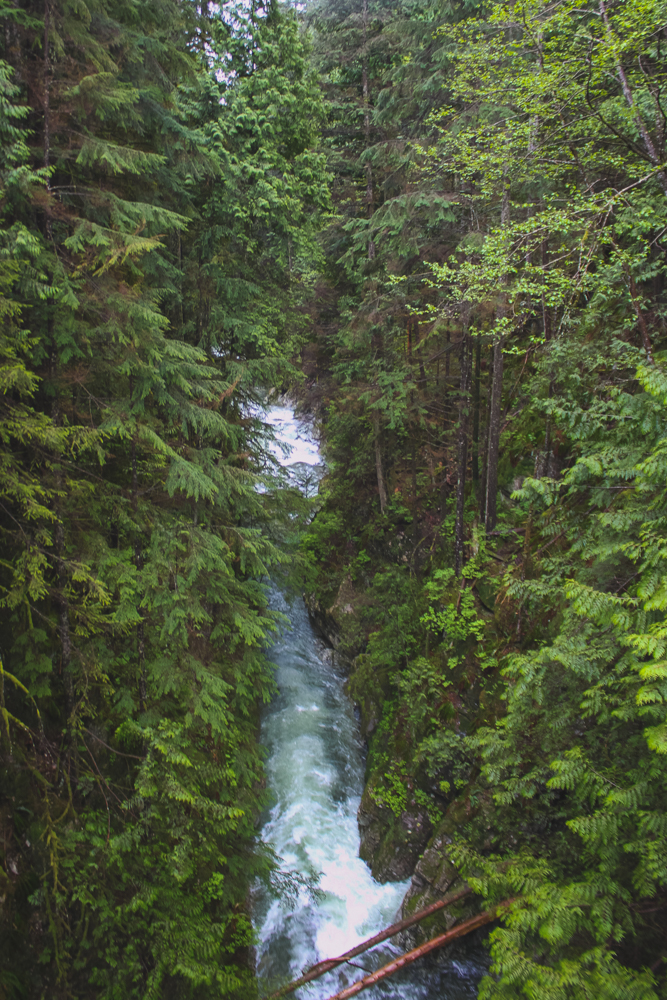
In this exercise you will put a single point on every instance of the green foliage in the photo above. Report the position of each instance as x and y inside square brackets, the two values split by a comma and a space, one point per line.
[490, 260]
[145, 200]
[393, 794]
[457, 622]
[501, 203]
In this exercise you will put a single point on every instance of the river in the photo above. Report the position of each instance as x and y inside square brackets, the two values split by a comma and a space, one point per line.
[315, 772]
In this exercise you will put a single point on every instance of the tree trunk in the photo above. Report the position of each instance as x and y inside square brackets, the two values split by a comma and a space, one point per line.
[48, 228]
[382, 491]
[494, 435]
[46, 95]
[63, 614]
[641, 321]
[546, 311]
[496, 392]
[411, 956]
[464, 409]
[62, 604]
[415, 508]
[139, 563]
[365, 88]
[61, 600]
[475, 419]
[444, 488]
[627, 93]
[485, 448]
[328, 964]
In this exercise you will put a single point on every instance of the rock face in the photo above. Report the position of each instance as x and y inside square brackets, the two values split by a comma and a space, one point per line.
[395, 845]
[331, 622]
[323, 621]
[391, 845]
[435, 876]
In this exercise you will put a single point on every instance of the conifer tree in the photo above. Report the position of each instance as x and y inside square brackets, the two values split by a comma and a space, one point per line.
[523, 701]
[134, 541]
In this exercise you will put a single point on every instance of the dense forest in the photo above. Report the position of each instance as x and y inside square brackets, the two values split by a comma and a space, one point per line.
[437, 225]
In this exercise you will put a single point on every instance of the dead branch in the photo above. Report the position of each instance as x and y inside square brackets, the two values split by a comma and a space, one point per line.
[327, 964]
[411, 956]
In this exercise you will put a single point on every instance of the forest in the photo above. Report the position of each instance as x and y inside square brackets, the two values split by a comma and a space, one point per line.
[437, 226]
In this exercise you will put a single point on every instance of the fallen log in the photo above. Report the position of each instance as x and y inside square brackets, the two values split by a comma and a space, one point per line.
[317, 970]
[411, 956]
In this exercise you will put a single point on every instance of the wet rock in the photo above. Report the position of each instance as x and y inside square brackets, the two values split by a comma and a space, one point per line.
[367, 687]
[389, 844]
[324, 622]
[435, 876]
[336, 623]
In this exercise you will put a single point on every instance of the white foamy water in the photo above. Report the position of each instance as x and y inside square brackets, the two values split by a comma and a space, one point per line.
[315, 772]
[295, 434]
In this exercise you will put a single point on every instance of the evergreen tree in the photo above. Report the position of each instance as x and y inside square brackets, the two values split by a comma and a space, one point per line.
[134, 539]
[518, 681]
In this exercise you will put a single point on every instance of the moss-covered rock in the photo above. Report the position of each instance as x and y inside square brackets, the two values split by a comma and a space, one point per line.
[436, 876]
[325, 623]
[391, 844]
[338, 622]
[368, 688]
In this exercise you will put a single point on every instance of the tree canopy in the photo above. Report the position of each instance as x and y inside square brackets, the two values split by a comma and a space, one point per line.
[491, 339]
[440, 226]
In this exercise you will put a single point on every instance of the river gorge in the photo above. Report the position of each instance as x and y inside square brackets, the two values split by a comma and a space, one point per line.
[315, 775]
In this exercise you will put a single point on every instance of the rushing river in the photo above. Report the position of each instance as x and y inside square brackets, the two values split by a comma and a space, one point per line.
[315, 773]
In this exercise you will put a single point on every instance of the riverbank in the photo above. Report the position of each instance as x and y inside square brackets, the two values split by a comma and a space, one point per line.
[396, 846]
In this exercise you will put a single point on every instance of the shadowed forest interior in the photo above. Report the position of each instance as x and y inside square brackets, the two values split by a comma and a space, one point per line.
[438, 228]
